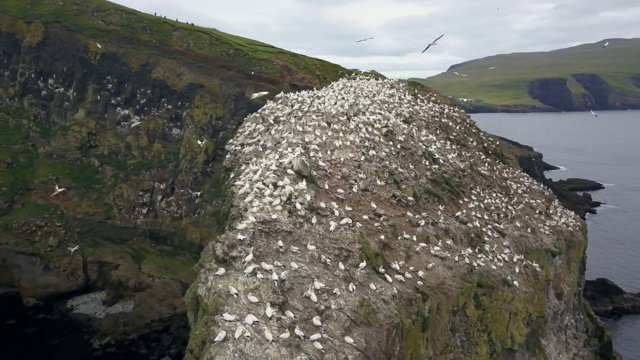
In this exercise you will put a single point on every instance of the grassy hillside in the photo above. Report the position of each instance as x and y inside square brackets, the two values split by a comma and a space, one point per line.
[115, 26]
[130, 113]
[502, 80]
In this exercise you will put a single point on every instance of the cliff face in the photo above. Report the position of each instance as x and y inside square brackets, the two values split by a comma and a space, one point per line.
[133, 129]
[380, 223]
[554, 95]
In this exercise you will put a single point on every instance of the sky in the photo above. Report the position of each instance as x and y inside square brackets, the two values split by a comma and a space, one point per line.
[401, 29]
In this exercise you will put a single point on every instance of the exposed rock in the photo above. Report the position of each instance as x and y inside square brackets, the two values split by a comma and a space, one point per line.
[350, 264]
[530, 161]
[119, 126]
[609, 300]
[552, 92]
[575, 184]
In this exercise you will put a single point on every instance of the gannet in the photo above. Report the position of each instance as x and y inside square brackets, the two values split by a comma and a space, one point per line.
[58, 190]
[73, 249]
[220, 337]
[434, 42]
[258, 94]
[605, 44]
[593, 113]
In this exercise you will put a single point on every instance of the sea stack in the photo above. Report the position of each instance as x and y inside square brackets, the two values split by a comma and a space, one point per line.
[389, 227]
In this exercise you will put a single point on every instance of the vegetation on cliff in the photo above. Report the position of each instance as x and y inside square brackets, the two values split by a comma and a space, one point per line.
[583, 77]
[129, 113]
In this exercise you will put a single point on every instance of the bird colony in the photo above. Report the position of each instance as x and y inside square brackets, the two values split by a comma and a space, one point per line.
[329, 212]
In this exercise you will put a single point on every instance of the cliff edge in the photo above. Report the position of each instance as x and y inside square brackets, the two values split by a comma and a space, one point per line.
[369, 220]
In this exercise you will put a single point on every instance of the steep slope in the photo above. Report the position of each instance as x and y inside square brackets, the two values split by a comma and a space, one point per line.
[379, 222]
[130, 114]
[583, 77]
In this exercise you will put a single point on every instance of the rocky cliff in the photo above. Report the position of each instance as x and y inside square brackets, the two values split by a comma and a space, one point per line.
[369, 220]
[578, 78]
[128, 114]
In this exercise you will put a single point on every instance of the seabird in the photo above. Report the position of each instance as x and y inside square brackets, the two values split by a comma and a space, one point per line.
[605, 44]
[221, 335]
[58, 190]
[434, 42]
[100, 47]
[258, 94]
[593, 113]
[361, 40]
[73, 249]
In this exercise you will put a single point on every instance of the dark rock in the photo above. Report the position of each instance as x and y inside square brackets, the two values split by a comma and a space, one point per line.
[530, 161]
[575, 184]
[609, 300]
[552, 92]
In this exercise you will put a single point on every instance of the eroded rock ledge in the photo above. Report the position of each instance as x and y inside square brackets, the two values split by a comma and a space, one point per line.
[530, 161]
[609, 300]
[374, 222]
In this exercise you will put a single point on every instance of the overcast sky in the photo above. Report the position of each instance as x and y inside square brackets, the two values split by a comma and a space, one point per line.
[328, 29]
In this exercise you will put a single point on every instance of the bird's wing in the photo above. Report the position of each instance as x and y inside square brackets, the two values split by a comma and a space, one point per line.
[425, 49]
[438, 38]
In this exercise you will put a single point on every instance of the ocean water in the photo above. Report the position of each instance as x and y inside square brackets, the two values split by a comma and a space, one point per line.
[604, 149]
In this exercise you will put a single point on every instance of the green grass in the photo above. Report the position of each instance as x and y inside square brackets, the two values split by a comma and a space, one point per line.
[116, 26]
[22, 167]
[30, 211]
[506, 84]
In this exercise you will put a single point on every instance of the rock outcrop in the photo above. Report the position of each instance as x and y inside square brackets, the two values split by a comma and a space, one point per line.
[530, 162]
[372, 221]
[609, 300]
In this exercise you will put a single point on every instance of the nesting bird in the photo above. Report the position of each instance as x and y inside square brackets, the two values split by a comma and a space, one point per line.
[355, 134]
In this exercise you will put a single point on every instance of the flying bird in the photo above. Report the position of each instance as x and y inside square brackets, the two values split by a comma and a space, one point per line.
[259, 94]
[593, 113]
[73, 249]
[100, 47]
[365, 39]
[434, 42]
[605, 44]
[58, 190]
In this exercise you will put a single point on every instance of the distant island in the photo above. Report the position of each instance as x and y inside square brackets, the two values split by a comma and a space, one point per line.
[579, 78]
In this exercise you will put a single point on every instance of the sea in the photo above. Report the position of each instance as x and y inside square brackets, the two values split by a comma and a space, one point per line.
[606, 149]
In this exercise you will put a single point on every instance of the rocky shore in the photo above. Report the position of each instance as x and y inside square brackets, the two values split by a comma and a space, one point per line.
[567, 191]
[609, 300]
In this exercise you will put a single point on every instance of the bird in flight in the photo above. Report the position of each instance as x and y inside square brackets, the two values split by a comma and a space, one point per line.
[73, 249]
[593, 113]
[58, 190]
[259, 94]
[605, 44]
[434, 42]
[361, 40]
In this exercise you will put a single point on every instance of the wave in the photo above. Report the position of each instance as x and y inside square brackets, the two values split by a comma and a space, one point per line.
[607, 206]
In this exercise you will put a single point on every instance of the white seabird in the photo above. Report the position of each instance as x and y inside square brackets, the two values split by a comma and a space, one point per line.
[73, 249]
[258, 94]
[605, 44]
[434, 42]
[58, 190]
[593, 113]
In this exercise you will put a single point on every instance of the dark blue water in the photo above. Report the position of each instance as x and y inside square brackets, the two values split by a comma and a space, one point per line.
[605, 149]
